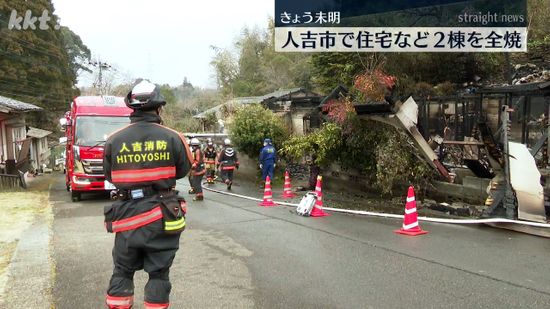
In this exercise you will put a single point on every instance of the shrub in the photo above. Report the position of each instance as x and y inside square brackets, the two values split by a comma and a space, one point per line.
[251, 124]
[325, 143]
[379, 151]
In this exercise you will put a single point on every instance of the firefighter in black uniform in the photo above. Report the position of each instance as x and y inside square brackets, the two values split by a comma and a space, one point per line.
[210, 155]
[197, 169]
[227, 163]
[143, 160]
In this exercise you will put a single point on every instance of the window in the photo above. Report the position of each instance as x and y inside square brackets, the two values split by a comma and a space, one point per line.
[91, 130]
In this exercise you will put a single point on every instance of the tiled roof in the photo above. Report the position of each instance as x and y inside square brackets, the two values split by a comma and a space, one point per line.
[17, 106]
[38, 133]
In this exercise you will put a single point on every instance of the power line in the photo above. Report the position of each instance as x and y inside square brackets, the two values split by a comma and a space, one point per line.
[31, 91]
[4, 93]
[32, 45]
[26, 82]
[102, 66]
[34, 49]
[33, 95]
[42, 41]
[26, 60]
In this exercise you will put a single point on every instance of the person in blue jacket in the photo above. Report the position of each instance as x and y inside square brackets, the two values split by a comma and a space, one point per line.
[268, 159]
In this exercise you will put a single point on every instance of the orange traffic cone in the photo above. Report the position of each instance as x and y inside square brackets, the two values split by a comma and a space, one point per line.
[410, 221]
[287, 189]
[317, 210]
[268, 195]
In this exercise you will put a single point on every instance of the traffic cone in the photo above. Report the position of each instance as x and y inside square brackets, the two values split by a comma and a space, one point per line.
[410, 221]
[268, 195]
[287, 189]
[317, 210]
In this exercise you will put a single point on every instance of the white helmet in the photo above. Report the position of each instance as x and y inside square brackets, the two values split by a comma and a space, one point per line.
[145, 96]
[195, 142]
[227, 142]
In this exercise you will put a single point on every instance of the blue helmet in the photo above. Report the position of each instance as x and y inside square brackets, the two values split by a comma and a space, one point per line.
[267, 141]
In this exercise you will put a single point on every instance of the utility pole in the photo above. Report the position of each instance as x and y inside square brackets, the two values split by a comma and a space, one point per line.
[101, 66]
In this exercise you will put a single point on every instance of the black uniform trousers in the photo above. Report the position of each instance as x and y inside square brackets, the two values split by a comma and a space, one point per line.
[196, 183]
[227, 175]
[148, 248]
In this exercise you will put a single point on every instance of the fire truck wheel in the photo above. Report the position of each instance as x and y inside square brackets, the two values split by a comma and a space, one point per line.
[75, 196]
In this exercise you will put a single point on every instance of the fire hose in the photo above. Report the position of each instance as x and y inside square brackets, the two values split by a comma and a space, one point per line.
[386, 215]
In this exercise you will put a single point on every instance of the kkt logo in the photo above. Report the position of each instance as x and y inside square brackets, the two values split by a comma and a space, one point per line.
[29, 21]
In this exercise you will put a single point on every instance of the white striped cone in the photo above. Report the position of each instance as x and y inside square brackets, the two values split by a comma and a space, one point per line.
[268, 195]
[317, 210]
[410, 221]
[287, 189]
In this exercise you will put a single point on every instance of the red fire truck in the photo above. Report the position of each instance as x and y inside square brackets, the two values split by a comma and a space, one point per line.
[87, 125]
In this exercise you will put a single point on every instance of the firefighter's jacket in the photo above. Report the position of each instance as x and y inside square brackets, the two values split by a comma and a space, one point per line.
[145, 158]
[146, 153]
[197, 167]
[228, 159]
[210, 155]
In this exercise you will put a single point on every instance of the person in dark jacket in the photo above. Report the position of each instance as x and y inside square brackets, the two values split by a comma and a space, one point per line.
[210, 155]
[268, 159]
[314, 171]
[143, 160]
[227, 163]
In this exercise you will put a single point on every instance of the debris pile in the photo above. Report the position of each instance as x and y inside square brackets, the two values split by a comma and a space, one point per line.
[533, 66]
[530, 73]
[298, 171]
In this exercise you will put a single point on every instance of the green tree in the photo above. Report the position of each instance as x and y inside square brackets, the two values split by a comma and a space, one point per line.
[79, 54]
[185, 101]
[39, 66]
[255, 68]
[251, 124]
[538, 21]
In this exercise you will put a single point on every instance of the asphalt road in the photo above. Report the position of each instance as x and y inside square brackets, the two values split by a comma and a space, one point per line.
[236, 254]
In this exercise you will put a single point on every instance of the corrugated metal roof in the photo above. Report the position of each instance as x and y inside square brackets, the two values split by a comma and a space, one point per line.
[17, 106]
[208, 111]
[250, 100]
[234, 101]
[38, 133]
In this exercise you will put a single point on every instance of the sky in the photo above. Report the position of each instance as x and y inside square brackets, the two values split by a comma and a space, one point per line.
[163, 40]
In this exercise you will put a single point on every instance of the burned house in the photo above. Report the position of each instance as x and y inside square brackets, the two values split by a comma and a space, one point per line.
[456, 118]
[298, 107]
[217, 118]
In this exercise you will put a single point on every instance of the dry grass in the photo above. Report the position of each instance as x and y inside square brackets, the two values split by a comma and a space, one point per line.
[19, 210]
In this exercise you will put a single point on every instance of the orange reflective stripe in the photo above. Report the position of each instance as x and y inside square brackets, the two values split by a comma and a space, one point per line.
[156, 306]
[140, 220]
[119, 301]
[146, 174]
